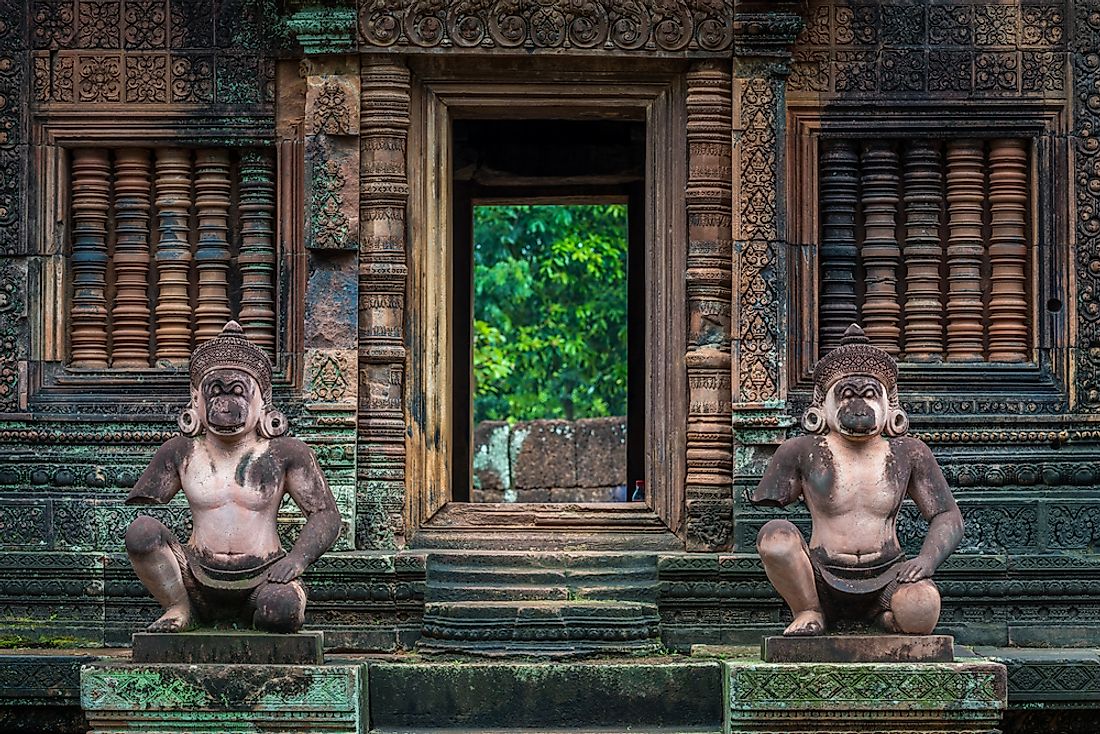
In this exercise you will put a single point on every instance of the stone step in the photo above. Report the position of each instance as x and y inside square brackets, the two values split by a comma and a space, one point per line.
[555, 629]
[461, 591]
[650, 696]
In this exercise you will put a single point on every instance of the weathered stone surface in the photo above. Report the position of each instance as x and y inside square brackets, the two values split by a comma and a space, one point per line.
[219, 698]
[601, 452]
[859, 649]
[582, 494]
[870, 697]
[230, 646]
[544, 454]
[492, 465]
[646, 695]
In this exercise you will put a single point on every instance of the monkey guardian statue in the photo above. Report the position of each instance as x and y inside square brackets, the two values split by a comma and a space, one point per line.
[853, 470]
[234, 466]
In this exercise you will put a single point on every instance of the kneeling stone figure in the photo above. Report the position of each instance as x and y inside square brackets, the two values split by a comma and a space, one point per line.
[853, 470]
[234, 466]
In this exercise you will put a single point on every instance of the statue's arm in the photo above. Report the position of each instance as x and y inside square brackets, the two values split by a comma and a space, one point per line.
[309, 490]
[929, 490]
[782, 481]
[161, 479]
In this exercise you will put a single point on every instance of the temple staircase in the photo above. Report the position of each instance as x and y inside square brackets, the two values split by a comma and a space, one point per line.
[552, 604]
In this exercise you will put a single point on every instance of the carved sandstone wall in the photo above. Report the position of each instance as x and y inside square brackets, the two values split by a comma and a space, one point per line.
[550, 461]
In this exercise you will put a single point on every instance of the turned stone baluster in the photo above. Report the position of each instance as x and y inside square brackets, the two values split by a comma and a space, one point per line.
[130, 317]
[965, 199]
[880, 251]
[212, 255]
[1008, 327]
[173, 256]
[923, 251]
[257, 256]
[90, 210]
[839, 196]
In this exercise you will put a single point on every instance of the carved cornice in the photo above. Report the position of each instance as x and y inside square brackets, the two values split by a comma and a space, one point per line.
[688, 27]
[769, 33]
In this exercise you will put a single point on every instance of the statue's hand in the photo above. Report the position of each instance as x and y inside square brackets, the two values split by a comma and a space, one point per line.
[286, 570]
[915, 569]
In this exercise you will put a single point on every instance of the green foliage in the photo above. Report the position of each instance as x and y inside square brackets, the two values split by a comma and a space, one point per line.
[550, 332]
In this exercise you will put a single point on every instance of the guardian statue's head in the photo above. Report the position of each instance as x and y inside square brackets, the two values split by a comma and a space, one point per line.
[856, 391]
[231, 389]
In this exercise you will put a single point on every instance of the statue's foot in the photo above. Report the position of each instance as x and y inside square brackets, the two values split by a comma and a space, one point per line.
[176, 619]
[809, 622]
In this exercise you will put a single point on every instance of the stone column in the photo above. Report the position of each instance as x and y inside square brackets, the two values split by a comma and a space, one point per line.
[764, 33]
[323, 106]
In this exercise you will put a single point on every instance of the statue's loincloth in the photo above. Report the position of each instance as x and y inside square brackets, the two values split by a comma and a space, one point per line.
[215, 591]
[854, 593]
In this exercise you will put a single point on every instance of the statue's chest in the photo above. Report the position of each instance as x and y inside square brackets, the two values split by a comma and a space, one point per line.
[866, 483]
[211, 485]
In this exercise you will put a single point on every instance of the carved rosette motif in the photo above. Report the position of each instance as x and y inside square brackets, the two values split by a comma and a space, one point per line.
[617, 25]
[709, 292]
[384, 125]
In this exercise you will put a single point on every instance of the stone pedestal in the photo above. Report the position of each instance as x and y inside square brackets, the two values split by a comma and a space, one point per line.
[229, 646]
[859, 649]
[866, 697]
[211, 699]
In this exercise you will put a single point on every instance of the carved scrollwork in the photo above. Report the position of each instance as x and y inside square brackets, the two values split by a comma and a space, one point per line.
[624, 25]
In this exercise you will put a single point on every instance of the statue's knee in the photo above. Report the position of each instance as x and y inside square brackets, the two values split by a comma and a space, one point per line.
[280, 608]
[144, 535]
[778, 539]
[916, 607]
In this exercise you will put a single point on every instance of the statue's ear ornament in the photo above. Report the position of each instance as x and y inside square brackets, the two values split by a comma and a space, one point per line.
[188, 421]
[273, 424]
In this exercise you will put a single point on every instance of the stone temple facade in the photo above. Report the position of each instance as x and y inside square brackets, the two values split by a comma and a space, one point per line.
[930, 169]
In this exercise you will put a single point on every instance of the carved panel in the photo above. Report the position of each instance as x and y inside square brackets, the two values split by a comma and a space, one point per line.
[676, 26]
[384, 125]
[1086, 109]
[971, 48]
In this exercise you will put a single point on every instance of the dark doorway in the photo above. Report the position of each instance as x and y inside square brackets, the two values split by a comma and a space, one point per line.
[596, 169]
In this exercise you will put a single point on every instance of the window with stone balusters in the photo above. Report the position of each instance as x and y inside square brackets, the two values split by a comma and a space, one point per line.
[166, 244]
[927, 243]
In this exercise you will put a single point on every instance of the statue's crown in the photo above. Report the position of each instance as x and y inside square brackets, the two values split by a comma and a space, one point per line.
[231, 349]
[855, 356]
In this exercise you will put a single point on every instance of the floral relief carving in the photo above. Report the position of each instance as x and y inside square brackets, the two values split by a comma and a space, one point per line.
[332, 115]
[147, 79]
[856, 71]
[100, 78]
[996, 72]
[950, 25]
[995, 25]
[810, 71]
[193, 79]
[949, 71]
[41, 73]
[856, 24]
[1042, 25]
[1086, 108]
[53, 23]
[328, 222]
[1044, 71]
[145, 26]
[902, 25]
[902, 71]
[98, 24]
[329, 376]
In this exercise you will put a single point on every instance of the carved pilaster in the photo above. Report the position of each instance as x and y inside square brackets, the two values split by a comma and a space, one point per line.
[91, 198]
[881, 254]
[965, 249]
[1008, 194]
[1086, 205]
[384, 125]
[212, 189]
[257, 256]
[923, 252]
[709, 277]
[839, 255]
[130, 316]
[173, 256]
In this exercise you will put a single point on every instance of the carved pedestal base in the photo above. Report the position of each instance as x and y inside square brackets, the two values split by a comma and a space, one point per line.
[230, 646]
[866, 697]
[859, 649]
[204, 699]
